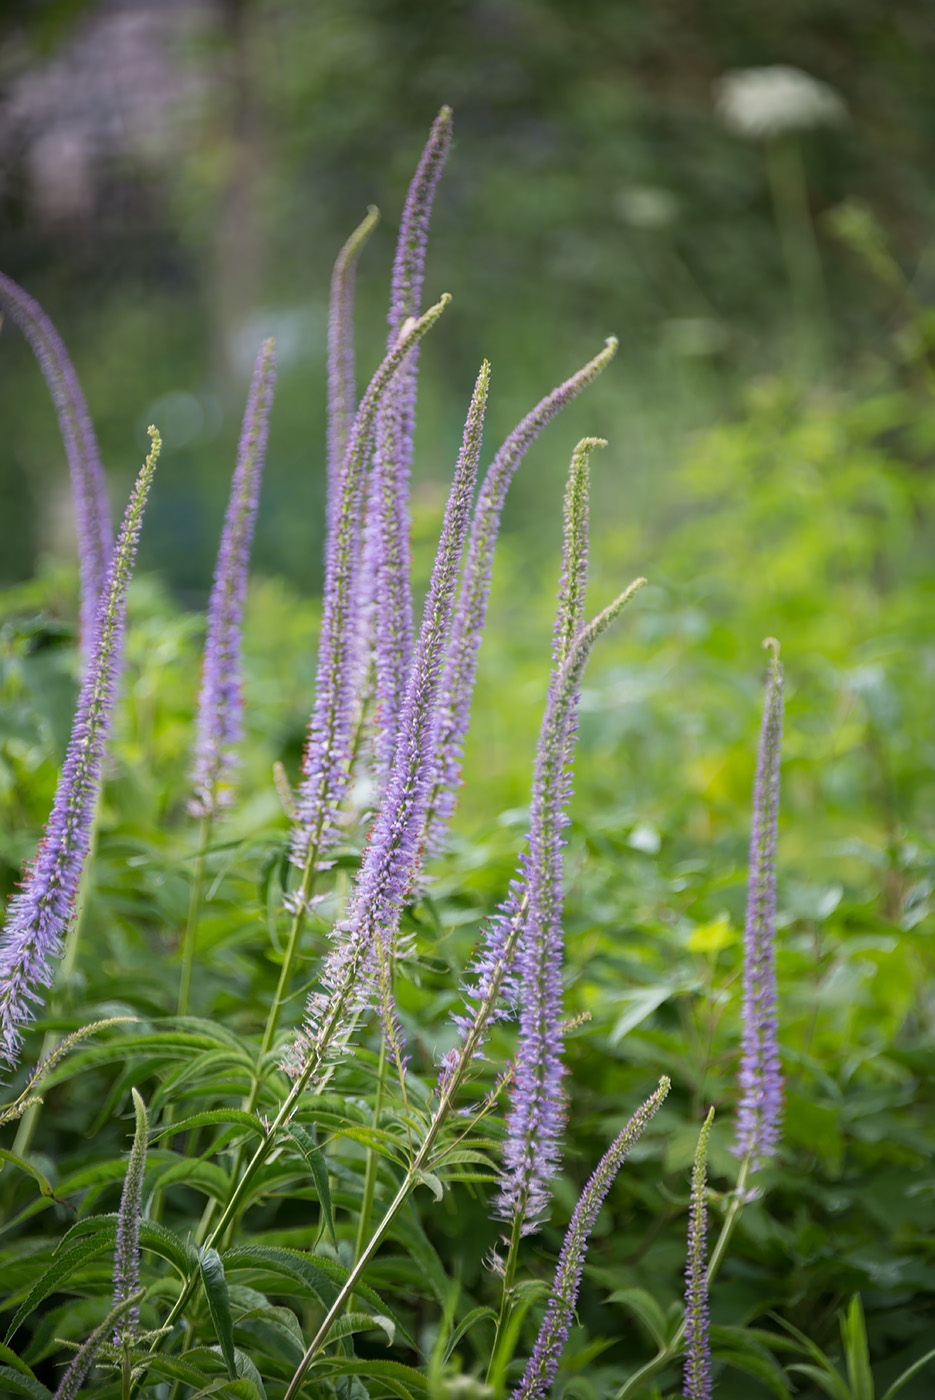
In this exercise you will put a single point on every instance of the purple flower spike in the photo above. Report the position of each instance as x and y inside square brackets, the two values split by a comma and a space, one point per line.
[342, 393]
[697, 1382]
[127, 1251]
[474, 591]
[553, 1334]
[38, 916]
[92, 511]
[219, 723]
[326, 761]
[760, 1077]
[535, 1118]
[386, 596]
[360, 963]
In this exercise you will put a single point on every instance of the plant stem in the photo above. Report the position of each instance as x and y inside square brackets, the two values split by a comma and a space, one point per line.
[195, 897]
[506, 1297]
[370, 1174]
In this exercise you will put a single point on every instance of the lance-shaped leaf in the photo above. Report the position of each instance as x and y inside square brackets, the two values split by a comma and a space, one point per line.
[365, 942]
[127, 1251]
[325, 762]
[219, 721]
[342, 390]
[760, 1077]
[92, 512]
[697, 1380]
[38, 915]
[474, 591]
[547, 1352]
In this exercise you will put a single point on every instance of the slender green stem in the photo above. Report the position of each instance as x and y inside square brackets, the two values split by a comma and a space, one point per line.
[195, 898]
[370, 1173]
[506, 1296]
[30, 1119]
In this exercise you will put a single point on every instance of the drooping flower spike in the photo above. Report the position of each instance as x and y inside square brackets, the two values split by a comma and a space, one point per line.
[219, 720]
[760, 1078]
[127, 1250]
[536, 1115]
[38, 916]
[386, 596]
[326, 760]
[553, 1334]
[358, 970]
[342, 391]
[92, 512]
[474, 591]
[86, 1355]
[697, 1381]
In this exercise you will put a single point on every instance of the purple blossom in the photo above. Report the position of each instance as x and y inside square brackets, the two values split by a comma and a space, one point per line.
[386, 597]
[86, 1355]
[127, 1251]
[326, 760]
[219, 722]
[38, 916]
[553, 1334]
[342, 392]
[474, 592]
[760, 1078]
[359, 965]
[697, 1381]
[92, 511]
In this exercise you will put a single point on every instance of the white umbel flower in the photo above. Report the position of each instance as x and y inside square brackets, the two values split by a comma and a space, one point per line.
[760, 103]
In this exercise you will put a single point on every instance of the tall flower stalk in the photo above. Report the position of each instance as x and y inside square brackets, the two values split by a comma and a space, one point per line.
[474, 593]
[89, 490]
[547, 1353]
[386, 593]
[760, 1079]
[127, 1250]
[359, 967]
[37, 918]
[342, 390]
[697, 1382]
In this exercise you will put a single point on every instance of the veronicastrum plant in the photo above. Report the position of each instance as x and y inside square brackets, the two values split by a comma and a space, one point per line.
[182, 1291]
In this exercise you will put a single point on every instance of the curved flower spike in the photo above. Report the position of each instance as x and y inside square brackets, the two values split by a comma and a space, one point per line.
[474, 591]
[38, 916]
[547, 1352]
[219, 722]
[326, 760]
[342, 394]
[760, 1076]
[92, 512]
[127, 1251]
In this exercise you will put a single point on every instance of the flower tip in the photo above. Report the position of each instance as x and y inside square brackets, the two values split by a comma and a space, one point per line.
[588, 444]
[771, 644]
[445, 116]
[611, 345]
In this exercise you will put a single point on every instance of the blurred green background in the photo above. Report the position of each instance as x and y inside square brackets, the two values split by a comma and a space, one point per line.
[176, 177]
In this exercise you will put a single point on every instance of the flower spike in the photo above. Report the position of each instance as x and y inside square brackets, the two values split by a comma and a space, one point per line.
[359, 965]
[535, 1119]
[342, 394]
[127, 1251]
[697, 1382]
[760, 1076]
[474, 591]
[547, 1352]
[325, 763]
[92, 512]
[38, 916]
[219, 723]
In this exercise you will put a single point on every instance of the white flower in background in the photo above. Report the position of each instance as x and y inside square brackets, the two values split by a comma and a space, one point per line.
[760, 103]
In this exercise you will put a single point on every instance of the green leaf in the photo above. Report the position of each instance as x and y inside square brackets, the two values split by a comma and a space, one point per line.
[215, 1285]
[30, 1170]
[153, 1236]
[856, 1350]
[471, 1319]
[314, 1157]
[229, 1117]
[430, 1180]
[826, 1377]
[59, 1271]
[362, 1322]
[387, 1371]
[6, 1355]
[908, 1374]
[765, 1369]
[290, 1264]
[645, 1308]
[20, 1384]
